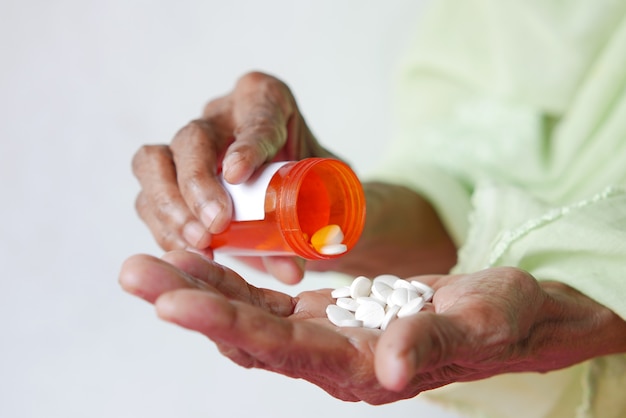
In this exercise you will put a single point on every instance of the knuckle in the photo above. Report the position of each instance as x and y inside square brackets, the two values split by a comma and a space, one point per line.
[218, 108]
[191, 130]
[157, 210]
[515, 275]
[141, 205]
[255, 78]
[148, 155]
[265, 135]
[169, 240]
[165, 209]
[194, 183]
[198, 133]
[156, 217]
[270, 85]
[194, 178]
[261, 122]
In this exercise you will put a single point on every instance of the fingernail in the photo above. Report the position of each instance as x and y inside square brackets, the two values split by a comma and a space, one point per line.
[193, 232]
[234, 172]
[230, 160]
[209, 213]
[402, 369]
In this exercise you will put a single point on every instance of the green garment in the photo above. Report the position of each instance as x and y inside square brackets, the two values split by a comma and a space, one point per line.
[512, 122]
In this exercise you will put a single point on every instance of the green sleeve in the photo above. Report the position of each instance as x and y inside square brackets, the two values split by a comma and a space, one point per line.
[511, 121]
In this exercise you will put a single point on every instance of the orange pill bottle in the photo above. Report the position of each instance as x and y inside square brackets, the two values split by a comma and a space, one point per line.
[300, 198]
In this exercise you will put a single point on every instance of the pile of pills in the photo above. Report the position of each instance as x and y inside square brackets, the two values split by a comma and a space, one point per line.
[328, 240]
[374, 303]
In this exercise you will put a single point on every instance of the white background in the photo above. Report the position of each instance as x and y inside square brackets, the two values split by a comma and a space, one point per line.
[82, 85]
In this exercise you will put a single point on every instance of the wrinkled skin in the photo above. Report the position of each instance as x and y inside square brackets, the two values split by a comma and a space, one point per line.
[182, 200]
[481, 324]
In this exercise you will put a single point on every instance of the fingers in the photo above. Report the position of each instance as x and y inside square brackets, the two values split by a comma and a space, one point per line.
[195, 151]
[416, 343]
[160, 203]
[149, 277]
[183, 200]
[289, 270]
[262, 107]
[221, 319]
[229, 283]
[256, 338]
[425, 341]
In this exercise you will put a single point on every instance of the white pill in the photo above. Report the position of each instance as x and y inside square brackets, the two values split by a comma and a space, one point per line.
[426, 291]
[402, 284]
[371, 313]
[428, 296]
[381, 290]
[329, 234]
[337, 314]
[345, 323]
[376, 303]
[341, 292]
[388, 279]
[390, 315]
[360, 286]
[348, 304]
[402, 296]
[333, 249]
[412, 307]
[365, 299]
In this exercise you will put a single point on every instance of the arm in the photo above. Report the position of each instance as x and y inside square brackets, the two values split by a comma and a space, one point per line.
[573, 328]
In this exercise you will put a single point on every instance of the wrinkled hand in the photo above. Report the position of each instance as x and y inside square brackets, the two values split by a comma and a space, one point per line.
[182, 200]
[480, 325]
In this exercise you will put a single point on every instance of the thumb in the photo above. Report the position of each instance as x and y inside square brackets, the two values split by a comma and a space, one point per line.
[424, 341]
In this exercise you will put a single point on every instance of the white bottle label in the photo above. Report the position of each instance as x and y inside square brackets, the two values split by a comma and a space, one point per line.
[249, 197]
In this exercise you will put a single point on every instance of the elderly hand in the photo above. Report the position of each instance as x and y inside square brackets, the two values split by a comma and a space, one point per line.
[494, 321]
[182, 200]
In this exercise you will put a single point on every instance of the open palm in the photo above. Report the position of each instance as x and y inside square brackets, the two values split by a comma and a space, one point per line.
[461, 338]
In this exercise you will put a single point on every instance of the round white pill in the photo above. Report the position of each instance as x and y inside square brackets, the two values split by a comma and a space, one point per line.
[390, 315]
[348, 304]
[402, 296]
[337, 314]
[412, 307]
[428, 296]
[333, 249]
[426, 291]
[344, 323]
[371, 313]
[388, 279]
[364, 299]
[396, 297]
[341, 292]
[402, 284]
[329, 234]
[381, 290]
[360, 286]
[376, 303]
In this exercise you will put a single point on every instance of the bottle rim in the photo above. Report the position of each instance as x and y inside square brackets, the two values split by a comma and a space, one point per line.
[288, 219]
